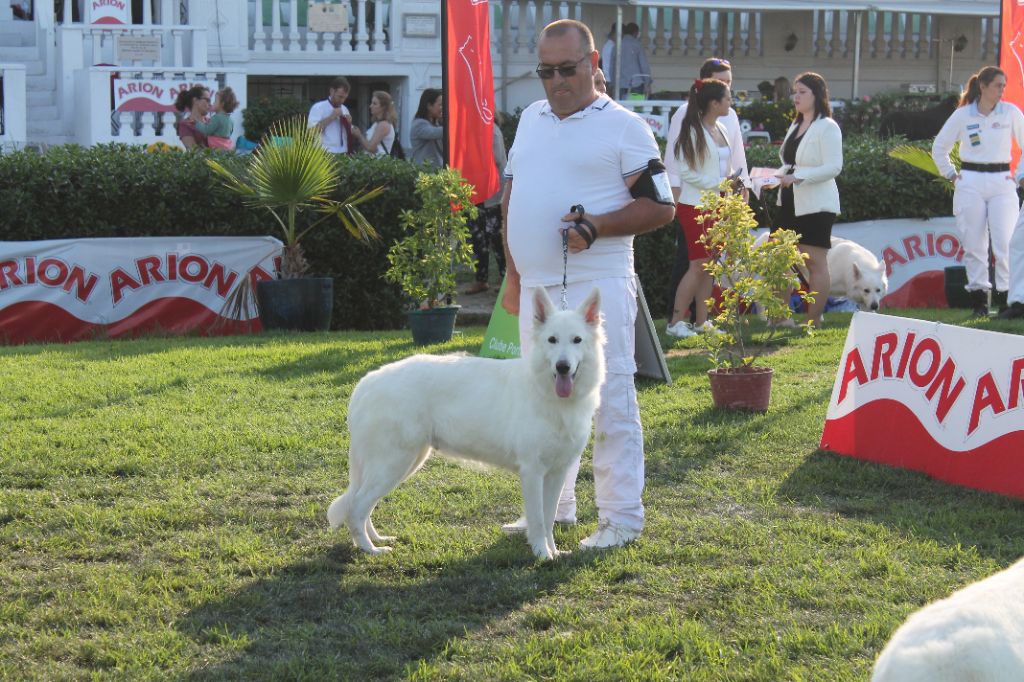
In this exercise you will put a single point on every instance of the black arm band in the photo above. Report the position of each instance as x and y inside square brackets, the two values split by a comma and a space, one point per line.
[653, 184]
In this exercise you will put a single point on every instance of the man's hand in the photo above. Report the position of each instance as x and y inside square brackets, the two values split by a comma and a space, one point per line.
[787, 180]
[576, 242]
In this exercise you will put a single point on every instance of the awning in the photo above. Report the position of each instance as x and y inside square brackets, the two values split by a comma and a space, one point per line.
[961, 7]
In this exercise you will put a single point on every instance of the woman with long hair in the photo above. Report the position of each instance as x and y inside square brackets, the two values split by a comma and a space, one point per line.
[812, 157]
[985, 194]
[380, 136]
[427, 132]
[702, 160]
[193, 104]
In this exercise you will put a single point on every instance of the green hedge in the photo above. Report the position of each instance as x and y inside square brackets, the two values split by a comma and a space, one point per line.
[261, 114]
[123, 191]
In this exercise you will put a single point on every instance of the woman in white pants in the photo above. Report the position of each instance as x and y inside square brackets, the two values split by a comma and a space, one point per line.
[985, 199]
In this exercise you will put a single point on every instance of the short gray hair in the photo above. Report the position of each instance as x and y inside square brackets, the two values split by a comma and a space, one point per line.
[563, 26]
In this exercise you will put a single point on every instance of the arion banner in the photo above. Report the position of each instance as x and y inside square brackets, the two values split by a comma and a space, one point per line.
[72, 289]
[469, 95]
[1011, 54]
[109, 12]
[944, 400]
[152, 94]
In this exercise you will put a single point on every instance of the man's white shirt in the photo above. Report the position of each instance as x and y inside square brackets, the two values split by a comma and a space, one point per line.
[331, 136]
[557, 163]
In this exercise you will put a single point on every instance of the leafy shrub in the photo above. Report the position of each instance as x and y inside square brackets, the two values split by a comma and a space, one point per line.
[260, 115]
[122, 191]
[763, 114]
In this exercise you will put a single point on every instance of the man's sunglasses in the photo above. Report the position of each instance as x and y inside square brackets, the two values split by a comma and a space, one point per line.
[548, 72]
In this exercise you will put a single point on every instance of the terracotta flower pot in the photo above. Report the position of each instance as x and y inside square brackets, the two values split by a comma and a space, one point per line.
[746, 388]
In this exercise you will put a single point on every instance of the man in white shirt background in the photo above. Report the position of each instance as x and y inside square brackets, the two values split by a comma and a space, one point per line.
[719, 69]
[332, 118]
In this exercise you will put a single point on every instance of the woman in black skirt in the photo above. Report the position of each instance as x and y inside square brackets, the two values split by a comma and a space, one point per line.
[812, 157]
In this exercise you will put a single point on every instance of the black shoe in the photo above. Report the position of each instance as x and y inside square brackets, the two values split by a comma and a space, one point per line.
[979, 302]
[1015, 311]
[999, 300]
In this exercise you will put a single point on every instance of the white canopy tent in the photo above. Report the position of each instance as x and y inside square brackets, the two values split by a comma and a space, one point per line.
[978, 8]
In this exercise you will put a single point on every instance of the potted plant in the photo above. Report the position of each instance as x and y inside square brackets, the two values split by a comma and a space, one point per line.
[751, 273]
[288, 178]
[423, 262]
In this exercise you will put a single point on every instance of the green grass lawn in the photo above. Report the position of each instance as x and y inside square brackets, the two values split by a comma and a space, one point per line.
[162, 515]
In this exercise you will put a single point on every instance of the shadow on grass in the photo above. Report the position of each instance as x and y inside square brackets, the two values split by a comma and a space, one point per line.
[909, 501]
[328, 618]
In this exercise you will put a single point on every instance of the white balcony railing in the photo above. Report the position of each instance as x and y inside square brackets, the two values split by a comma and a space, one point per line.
[15, 123]
[370, 26]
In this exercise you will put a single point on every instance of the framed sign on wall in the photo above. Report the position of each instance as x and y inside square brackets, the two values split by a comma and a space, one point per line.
[419, 25]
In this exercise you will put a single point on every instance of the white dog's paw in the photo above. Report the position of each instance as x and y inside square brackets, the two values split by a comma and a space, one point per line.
[376, 550]
[543, 553]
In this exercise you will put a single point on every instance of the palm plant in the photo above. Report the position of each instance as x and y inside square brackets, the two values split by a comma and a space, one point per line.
[296, 174]
[922, 160]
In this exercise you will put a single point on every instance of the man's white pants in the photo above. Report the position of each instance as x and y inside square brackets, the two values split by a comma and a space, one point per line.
[984, 204]
[1016, 290]
[618, 435]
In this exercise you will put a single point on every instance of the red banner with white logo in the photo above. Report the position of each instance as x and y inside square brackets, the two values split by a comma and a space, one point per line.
[469, 96]
[919, 395]
[1011, 55]
[72, 289]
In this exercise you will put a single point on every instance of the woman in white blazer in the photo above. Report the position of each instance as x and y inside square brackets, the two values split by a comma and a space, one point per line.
[702, 159]
[812, 157]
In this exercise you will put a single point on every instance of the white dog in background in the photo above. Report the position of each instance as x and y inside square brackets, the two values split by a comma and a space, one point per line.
[531, 416]
[856, 274]
[977, 634]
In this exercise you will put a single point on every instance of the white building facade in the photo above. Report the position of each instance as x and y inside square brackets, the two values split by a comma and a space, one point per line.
[58, 65]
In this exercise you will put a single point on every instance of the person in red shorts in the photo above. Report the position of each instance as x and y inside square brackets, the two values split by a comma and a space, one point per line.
[703, 158]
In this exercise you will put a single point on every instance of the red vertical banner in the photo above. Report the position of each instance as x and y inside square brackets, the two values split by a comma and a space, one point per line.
[469, 95]
[1011, 55]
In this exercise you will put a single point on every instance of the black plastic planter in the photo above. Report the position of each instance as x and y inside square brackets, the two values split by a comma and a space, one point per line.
[433, 325]
[303, 304]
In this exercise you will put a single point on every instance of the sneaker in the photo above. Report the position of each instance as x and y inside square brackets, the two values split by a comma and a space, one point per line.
[680, 330]
[708, 328]
[519, 525]
[1014, 311]
[608, 535]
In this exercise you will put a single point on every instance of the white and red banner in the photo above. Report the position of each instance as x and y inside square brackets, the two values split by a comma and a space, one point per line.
[469, 95]
[944, 400]
[71, 289]
[110, 12]
[151, 94]
[1011, 55]
[915, 253]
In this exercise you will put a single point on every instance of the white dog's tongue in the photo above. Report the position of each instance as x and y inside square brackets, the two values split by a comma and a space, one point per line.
[563, 385]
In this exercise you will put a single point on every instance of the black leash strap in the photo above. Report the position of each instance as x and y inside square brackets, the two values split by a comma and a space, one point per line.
[583, 227]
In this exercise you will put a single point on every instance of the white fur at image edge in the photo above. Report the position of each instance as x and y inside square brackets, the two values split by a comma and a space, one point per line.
[975, 635]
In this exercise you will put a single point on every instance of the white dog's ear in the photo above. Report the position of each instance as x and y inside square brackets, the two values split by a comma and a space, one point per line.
[856, 272]
[542, 306]
[590, 309]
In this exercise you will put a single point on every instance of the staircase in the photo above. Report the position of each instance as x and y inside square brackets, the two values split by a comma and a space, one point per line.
[21, 43]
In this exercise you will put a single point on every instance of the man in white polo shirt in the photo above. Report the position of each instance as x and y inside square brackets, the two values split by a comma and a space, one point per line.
[719, 69]
[332, 119]
[580, 148]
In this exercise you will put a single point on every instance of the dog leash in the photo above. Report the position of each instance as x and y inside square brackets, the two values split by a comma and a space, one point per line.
[585, 229]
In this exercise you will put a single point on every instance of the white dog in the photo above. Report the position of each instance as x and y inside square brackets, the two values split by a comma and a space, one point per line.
[975, 634]
[532, 416]
[856, 274]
